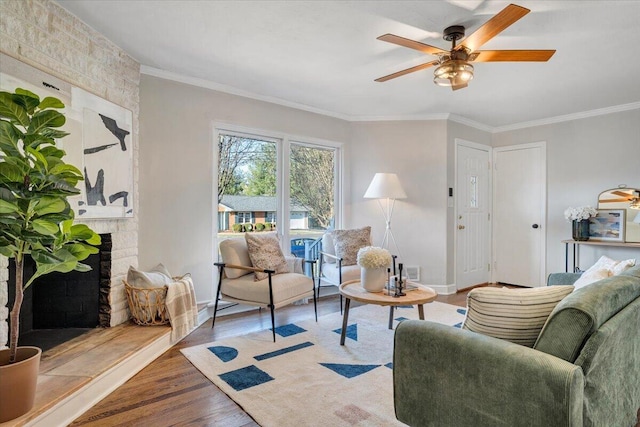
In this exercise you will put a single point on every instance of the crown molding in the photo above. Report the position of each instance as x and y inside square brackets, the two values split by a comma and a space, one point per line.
[470, 123]
[194, 81]
[403, 118]
[568, 117]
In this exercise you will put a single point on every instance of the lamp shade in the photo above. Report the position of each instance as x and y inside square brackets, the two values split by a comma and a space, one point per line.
[385, 186]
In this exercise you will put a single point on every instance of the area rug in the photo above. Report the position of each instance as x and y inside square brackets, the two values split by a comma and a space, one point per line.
[306, 378]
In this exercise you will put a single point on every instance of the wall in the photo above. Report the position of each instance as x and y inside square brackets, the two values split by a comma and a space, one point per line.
[44, 35]
[584, 158]
[177, 174]
[417, 152]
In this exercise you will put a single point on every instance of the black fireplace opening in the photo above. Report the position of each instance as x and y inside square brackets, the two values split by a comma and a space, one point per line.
[58, 307]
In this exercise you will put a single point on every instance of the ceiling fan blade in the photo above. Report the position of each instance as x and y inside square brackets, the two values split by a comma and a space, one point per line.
[493, 27]
[614, 200]
[623, 194]
[412, 44]
[407, 71]
[513, 55]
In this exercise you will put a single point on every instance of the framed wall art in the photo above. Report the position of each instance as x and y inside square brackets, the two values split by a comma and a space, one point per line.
[608, 225]
[99, 144]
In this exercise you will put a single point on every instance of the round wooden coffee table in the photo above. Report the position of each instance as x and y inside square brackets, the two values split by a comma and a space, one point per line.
[352, 290]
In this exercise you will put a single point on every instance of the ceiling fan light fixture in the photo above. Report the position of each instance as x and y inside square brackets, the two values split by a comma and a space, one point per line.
[453, 72]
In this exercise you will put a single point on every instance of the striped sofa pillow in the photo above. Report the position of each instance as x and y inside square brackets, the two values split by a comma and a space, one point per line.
[515, 315]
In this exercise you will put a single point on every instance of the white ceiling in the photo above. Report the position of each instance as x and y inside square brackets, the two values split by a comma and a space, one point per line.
[323, 55]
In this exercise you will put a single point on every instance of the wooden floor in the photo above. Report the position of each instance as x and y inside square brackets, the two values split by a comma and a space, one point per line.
[171, 392]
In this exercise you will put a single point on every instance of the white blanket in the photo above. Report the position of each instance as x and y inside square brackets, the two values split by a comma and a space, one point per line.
[181, 306]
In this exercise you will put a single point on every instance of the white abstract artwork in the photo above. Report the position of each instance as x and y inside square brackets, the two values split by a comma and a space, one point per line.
[107, 158]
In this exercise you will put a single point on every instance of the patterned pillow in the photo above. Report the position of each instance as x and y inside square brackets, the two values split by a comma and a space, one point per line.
[347, 243]
[265, 253]
[515, 315]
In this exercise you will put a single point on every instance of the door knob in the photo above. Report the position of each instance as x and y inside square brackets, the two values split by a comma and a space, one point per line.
[535, 226]
[460, 227]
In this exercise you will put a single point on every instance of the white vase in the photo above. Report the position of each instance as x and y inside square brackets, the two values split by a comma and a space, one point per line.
[373, 279]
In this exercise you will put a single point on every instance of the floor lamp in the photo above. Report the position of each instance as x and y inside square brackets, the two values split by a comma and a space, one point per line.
[386, 186]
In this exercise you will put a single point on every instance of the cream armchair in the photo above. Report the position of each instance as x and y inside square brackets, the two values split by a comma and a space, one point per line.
[332, 270]
[236, 281]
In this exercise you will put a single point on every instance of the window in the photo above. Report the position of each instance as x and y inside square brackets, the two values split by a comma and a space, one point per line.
[270, 217]
[257, 174]
[244, 217]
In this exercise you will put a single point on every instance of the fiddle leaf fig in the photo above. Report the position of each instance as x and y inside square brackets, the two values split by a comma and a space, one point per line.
[35, 216]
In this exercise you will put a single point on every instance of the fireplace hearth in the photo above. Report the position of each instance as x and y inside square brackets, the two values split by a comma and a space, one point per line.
[58, 307]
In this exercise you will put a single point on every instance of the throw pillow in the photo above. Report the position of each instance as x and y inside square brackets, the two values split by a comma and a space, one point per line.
[592, 275]
[603, 268]
[623, 266]
[515, 315]
[265, 253]
[157, 277]
[347, 243]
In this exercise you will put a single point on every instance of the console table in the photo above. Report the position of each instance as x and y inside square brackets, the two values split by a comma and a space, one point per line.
[576, 250]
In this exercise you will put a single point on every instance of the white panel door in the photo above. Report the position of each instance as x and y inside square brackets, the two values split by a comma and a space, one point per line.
[519, 219]
[473, 204]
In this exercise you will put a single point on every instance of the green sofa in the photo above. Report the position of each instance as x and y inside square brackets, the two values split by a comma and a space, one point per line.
[584, 369]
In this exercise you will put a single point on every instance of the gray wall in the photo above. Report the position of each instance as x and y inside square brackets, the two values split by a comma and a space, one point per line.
[177, 178]
[584, 158]
[177, 207]
[417, 152]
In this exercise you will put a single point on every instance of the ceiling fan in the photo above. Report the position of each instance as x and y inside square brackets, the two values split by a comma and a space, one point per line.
[454, 67]
[625, 196]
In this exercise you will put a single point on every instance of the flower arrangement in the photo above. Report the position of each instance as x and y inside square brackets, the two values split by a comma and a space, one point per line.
[373, 257]
[578, 214]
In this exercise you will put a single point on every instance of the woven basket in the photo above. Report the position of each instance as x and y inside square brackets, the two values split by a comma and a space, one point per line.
[147, 306]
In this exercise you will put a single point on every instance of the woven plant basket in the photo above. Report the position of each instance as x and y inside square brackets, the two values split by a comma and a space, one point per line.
[147, 306]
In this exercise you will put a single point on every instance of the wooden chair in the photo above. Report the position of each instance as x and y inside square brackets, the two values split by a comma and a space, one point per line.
[236, 282]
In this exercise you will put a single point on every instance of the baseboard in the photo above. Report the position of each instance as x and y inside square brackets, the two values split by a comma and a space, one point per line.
[444, 289]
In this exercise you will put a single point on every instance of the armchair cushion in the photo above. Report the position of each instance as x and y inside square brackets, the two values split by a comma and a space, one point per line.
[235, 251]
[266, 254]
[287, 287]
[515, 315]
[332, 275]
[347, 243]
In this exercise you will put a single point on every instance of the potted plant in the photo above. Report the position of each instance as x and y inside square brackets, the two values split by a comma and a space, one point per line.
[36, 220]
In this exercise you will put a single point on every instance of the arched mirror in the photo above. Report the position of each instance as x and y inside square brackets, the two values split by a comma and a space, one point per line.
[629, 200]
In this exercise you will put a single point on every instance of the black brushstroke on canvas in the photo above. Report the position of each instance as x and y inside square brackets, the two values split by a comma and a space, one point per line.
[95, 193]
[119, 133]
[97, 149]
[124, 195]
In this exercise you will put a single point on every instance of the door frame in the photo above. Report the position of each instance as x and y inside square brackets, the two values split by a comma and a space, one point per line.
[543, 209]
[474, 145]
